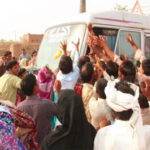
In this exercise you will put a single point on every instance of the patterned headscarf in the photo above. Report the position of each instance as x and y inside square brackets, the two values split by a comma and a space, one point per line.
[25, 128]
[8, 139]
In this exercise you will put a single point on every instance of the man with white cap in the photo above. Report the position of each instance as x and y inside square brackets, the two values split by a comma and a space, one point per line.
[127, 132]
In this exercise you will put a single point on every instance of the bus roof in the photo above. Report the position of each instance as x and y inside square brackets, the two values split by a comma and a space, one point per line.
[113, 18]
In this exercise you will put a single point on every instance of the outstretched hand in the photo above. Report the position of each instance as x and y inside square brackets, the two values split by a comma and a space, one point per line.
[63, 46]
[145, 87]
[90, 29]
[129, 38]
[76, 44]
[57, 86]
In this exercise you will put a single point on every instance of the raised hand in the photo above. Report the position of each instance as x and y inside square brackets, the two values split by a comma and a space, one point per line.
[76, 44]
[57, 86]
[129, 38]
[63, 46]
[145, 87]
[90, 29]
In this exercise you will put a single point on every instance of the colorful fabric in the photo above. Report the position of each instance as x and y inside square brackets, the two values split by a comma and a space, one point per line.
[27, 128]
[9, 84]
[46, 84]
[8, 139]
[78, 89]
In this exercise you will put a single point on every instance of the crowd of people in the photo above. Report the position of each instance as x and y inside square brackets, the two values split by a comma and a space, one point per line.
[99, 101]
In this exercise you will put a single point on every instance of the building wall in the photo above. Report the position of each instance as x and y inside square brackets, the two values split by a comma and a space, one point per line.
[29, 41]
[32, 38]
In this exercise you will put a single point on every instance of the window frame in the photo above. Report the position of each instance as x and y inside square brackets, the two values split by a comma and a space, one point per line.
[147, 35]
[130, 30]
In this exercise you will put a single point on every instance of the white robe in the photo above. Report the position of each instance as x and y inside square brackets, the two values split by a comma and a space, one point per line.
[119, 137]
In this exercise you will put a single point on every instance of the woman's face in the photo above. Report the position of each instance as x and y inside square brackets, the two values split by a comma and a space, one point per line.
[23, 75]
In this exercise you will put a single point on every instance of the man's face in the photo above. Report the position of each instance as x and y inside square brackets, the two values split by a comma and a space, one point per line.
[8, 58]
[34, 55]
[15, 69]
[23, 75]
[24, 52]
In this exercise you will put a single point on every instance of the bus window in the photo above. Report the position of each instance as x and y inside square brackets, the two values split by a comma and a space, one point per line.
[147, 47]
[110, 34]
[51, 43]
[123, 47]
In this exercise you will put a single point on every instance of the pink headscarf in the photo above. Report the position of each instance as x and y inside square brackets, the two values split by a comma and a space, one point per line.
[46, 84]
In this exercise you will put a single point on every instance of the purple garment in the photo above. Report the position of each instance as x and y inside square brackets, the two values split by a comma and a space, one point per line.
[41, 112]
[8, 139]
[46, 84]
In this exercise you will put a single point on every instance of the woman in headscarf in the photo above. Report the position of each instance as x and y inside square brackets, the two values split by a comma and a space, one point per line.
[46, 83]
[25, 128]
[75, 133]
[8, 139]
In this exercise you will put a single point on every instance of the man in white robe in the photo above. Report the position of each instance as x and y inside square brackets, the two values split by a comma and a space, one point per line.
[128, 132]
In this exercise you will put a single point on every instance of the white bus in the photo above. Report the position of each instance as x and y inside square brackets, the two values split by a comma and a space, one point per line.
[114, 25]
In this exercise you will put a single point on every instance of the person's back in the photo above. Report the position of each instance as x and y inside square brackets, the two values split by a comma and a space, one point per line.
[74, 133]
[87, 76]
[69, 71]
[41, 111]
[119, 132]
[9, 82]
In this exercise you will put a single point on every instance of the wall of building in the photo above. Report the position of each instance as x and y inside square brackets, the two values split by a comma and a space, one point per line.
[29, 41]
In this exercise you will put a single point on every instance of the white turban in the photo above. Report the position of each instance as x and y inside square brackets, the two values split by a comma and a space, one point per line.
[119, 101]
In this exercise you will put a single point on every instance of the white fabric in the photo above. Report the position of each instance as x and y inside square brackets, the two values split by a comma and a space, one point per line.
[119, 137]
[119, 102]
[4, 109]
[69, 80]
[139, 55]
[107, 76]
[98, 109]
[117, 59]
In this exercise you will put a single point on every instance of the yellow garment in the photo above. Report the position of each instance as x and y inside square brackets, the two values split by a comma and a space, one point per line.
[87, 93]
[23, 64]
[8, 87]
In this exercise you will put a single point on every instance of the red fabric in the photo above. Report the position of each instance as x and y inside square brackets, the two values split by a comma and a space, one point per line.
[23, 120]
[78, 89]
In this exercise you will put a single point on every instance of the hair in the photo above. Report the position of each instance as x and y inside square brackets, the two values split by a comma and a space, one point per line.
[86, 72]
[82, 61]
[27, 84]
[100, 87]
[124, 87]
[128, 70]
[21, 71]
[65, 64]
[122, 57]
[146, 66]
[112, 68]
[7, 53]
[11, 64]
[34, 52]
[23, 49]
[143, 101]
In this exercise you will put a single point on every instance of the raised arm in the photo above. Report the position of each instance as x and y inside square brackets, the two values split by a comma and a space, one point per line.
[130, 40]
[63, 46]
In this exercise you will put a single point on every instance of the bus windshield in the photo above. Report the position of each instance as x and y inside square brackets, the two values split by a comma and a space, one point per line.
[51, 43]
